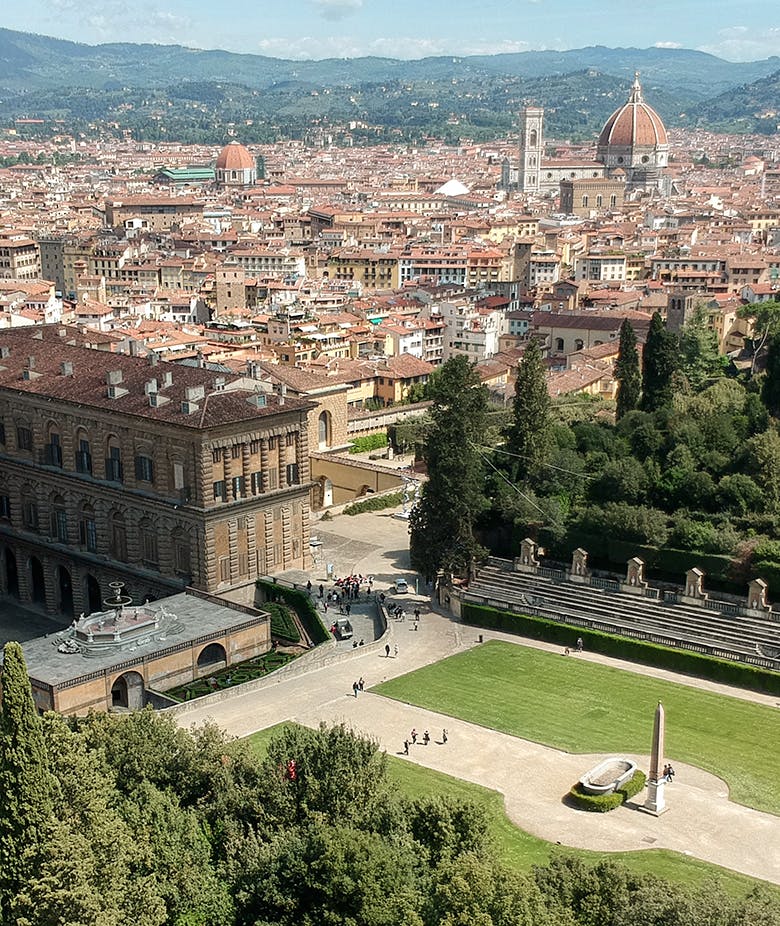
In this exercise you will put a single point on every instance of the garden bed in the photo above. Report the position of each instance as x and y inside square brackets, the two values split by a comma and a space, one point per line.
[234, 675]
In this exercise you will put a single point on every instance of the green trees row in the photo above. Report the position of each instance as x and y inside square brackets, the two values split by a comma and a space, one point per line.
[692, 460]
[111, 820]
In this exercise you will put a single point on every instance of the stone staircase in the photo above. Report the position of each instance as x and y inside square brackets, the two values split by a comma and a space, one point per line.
[715, 627]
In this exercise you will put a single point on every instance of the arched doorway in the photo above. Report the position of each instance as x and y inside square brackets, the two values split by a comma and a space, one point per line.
[11, 573]
[326, 487]
[65, 588]
[93, 596]
[212, 657]
[128, 692]
[37, 581]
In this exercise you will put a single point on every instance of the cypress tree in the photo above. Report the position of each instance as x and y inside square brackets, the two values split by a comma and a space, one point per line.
[659, 362]
[529, 434]
[26, 785]
[627, 374]
[441, 525]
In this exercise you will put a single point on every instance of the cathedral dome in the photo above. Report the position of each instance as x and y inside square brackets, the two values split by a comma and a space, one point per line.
[235, 157]
[634, 139]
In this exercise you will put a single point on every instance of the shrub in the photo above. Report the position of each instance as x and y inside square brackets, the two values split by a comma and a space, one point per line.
[368, 442]
[679, 660]
[602, 803]
[301, 603]
[375, 503]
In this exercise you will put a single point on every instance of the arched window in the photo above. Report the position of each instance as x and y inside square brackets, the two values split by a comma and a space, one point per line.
[559, 345]
[88, 528]
[578, 345]
[83, 452]
[612, 201]
[29, 509]
[599, 201]
[59, 519]
[584, 202]
[52, 452]
[182, 554]
[149, 552]
[533, 138]
[118, 536]
[114, 470]
[324, 430]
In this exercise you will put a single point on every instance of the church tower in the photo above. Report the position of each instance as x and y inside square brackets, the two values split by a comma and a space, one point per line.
[531, 147]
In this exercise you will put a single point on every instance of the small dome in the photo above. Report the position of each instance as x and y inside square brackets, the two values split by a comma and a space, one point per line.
[635, 124]
[235, 157]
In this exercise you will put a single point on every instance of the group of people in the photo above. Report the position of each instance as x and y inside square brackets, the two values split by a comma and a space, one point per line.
[426, 738]
[668, 773]
[358, 686]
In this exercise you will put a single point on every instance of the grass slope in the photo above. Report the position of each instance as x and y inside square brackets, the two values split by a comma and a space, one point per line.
[578, 706]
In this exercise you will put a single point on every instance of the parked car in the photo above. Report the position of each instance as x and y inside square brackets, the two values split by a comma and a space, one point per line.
[401, 586]
[343, 629]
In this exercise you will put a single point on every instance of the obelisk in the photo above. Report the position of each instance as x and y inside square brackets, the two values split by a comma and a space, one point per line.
[655, 803]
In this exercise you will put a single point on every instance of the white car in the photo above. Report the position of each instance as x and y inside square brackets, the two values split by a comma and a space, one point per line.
[401, 586]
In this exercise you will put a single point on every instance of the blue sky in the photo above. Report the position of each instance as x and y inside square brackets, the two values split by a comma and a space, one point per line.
[739, 31]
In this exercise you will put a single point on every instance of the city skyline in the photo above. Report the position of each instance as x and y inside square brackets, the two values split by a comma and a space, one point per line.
[310, 29]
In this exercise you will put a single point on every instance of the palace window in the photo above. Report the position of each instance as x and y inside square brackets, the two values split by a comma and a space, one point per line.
[144, 469]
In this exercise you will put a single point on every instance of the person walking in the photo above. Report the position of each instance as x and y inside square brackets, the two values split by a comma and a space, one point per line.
[387, 650]
[308, 586]
[406, 747]
[355, 688]
[426, 738]
[444, 737]
[395, 651]
[580, 645]
[413, 735]
[361, 683]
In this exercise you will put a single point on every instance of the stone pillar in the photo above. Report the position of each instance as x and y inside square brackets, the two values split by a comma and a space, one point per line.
[579, 566]
[655, 803]
[757, 604]
[635, 576]
[527, 561]
[694, 587]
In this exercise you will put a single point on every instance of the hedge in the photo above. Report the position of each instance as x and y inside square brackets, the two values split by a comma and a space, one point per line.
[368, 442]
[282, 624]
[602, 803]
[685, 661]
[375, 503]
[303, 606]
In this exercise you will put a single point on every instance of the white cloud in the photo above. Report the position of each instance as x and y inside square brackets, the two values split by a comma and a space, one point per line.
[337, 9]
[739, 43]
[668, 45]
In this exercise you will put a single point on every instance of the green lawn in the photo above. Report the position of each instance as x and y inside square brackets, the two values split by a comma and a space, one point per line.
[578, 706]
[521, 850]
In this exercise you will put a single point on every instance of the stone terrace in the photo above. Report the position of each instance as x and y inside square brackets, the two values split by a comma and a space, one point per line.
[717, 628]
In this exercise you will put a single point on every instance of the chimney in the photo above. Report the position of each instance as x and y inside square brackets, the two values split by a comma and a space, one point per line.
[66, 368]
[282, 393]
[31, 363]
[167, 379]
[153, 359]
[114, 377]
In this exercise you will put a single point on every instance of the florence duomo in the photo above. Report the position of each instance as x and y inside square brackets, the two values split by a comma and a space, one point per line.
[389, 484]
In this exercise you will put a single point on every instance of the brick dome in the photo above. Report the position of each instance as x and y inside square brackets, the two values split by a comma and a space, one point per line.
[235, 157]
[635, 124]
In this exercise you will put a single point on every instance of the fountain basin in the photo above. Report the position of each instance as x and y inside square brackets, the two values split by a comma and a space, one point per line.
[608, 775]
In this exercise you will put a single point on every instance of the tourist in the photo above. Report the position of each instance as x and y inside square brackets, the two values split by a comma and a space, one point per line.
[355, 688]
[406, 747]
[580, 644]
[387, 650]
[444, 737]
[426, 738]
[322, 590]
[395, 651]
[308, 586]
[361, 683]
[413, 735]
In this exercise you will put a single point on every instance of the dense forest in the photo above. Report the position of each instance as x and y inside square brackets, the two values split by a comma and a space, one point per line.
[109, 820]
[683, 470]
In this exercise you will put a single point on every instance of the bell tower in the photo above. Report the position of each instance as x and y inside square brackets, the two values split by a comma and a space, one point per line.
[531, 147]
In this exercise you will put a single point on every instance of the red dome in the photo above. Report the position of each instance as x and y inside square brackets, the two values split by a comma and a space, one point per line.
[235, 157]
[635, 124]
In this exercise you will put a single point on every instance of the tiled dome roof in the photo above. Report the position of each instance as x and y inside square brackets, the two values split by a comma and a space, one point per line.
[235, 157]
[635, 124]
